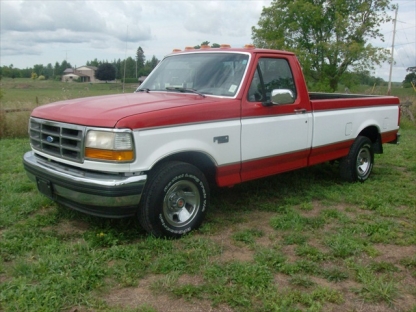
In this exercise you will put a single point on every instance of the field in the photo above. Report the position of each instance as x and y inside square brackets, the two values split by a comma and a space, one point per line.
[22, 95]
[299, 241]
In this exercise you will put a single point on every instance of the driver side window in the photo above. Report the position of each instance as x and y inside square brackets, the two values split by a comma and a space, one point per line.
[270, 74]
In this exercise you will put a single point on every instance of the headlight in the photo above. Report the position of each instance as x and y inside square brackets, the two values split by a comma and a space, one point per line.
[112, 146]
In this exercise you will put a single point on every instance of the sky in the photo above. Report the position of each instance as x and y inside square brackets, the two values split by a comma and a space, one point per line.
[48, 31]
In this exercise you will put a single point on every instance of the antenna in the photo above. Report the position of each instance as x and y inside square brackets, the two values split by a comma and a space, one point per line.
[392, 51]
[125, 58]
[66, 55]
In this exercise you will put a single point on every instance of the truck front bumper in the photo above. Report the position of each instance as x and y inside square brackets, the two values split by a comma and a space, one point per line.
[95, 193]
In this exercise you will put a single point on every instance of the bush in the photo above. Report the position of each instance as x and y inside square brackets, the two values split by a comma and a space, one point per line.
[41, 77]
[130, 80]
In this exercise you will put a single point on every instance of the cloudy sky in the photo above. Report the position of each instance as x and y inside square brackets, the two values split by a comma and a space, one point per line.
[41, 32]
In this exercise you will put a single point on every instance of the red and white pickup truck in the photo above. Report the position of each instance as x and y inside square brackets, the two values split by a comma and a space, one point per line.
[210, 116]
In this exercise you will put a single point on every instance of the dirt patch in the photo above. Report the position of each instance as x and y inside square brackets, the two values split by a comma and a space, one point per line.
[69, 228]
[22, 86]
[231, 250]
[142, 295]
[394, 253]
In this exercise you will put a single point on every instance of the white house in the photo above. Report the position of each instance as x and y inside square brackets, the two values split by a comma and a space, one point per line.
[83, 74]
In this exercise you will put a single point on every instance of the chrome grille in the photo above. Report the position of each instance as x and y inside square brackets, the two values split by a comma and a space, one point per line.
[57, 139]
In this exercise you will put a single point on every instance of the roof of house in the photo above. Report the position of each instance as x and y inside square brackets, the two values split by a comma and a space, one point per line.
[90, 67]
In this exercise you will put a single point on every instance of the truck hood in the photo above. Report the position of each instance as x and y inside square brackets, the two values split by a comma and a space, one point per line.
[106, 111]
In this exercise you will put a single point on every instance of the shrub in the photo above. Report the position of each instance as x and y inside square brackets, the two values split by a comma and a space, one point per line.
[130, 80]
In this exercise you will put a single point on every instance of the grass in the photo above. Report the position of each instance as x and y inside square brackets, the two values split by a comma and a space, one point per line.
[23, 94]
[299, 241]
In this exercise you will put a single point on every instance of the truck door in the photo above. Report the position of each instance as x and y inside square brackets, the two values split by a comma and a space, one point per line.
[276, 134]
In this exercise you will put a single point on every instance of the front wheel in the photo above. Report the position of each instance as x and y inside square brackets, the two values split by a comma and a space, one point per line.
[359, 162]
[174, 201]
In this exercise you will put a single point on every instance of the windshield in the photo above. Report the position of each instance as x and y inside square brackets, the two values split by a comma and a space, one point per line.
[205, 73]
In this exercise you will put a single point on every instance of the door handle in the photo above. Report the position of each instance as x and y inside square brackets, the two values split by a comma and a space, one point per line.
[300, 111]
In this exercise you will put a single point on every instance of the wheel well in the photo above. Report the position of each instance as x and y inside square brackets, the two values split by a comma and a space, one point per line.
[375, 137]
[199, 160]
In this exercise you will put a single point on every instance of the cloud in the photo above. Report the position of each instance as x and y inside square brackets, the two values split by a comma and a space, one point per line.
[41, 32]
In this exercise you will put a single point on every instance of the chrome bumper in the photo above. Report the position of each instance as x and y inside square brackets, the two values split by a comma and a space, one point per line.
[95, 193]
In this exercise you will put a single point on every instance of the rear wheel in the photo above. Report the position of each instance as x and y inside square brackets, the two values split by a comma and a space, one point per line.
[359, 162]
[174, 201]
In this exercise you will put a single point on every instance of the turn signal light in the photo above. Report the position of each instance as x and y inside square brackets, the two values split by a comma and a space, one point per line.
[112, 155]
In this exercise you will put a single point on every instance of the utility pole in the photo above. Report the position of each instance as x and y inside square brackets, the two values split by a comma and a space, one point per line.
[392, 51]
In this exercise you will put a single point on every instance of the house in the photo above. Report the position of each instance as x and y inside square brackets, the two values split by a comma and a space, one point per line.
[141, 79]
[82, 74]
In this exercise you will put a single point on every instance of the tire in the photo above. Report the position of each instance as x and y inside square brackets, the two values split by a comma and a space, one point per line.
[359, 162]
[174, 201]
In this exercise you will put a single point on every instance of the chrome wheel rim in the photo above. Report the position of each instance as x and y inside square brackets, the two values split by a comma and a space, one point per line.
[181, 203]
[363, 161]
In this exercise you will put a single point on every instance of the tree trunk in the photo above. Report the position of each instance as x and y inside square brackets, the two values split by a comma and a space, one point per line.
[333, 84]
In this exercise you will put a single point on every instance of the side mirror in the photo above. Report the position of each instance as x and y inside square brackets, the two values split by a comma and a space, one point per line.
[282, 96]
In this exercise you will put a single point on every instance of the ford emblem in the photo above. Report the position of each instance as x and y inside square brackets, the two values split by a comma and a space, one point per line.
[49, 139]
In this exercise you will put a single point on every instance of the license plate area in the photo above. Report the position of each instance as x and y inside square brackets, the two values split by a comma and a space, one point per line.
[45, 187]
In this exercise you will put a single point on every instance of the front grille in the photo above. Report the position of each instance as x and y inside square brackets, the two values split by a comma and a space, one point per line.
[57, 139]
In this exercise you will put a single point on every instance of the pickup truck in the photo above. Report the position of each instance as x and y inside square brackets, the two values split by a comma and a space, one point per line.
[203, 117]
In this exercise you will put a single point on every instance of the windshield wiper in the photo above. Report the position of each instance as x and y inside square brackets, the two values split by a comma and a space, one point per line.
[180, 89]
[143, 90]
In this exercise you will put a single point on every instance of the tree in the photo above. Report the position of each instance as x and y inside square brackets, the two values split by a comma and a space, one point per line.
[410, 78]
[328, 36]
[129, 66]
[409, 69]
[38, 69]
[149, 66]
[64, 65]
[206, 43]
[140, 59]
[105, 71]
[94, 63]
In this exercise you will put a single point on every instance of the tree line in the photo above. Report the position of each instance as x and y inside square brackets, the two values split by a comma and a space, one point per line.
[128, 68]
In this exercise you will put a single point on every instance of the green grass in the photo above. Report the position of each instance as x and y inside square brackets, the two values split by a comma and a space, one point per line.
[299, 241]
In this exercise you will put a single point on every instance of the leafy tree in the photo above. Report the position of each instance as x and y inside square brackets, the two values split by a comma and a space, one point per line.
[38, 69]
[9, 71]
[411, 69]
[26, 73]
[410, 78]
[130, 68]
[328, 36]
[48, 71]
[105, 71]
